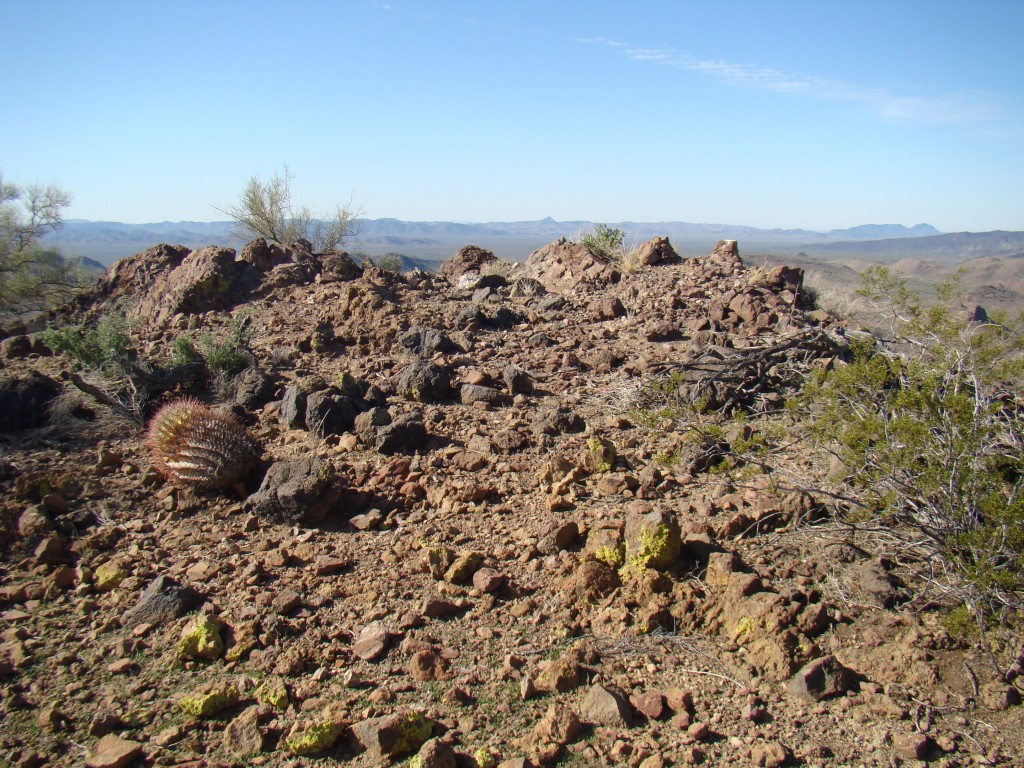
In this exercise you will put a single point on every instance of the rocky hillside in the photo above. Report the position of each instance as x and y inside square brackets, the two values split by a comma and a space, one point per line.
[453, 520]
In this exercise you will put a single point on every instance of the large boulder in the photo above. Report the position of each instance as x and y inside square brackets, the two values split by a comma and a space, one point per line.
[208, 279]
[470, 258]
[131, 277]
[562, 265]
[425, 382]
[657, 250]
[264, 256]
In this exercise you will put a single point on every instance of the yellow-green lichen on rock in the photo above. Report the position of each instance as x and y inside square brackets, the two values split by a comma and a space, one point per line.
[484, 758]
[274, 692]
[600, 455]
[202, 639]
[108, 576]
[464, 567]
[241, 642]
[438, 560]
[611, 556]
[393, 736]
[413, 728]
[652, 541]
[307, 740]
[209, 702]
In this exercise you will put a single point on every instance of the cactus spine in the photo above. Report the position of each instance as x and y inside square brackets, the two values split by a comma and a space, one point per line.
[192, 445]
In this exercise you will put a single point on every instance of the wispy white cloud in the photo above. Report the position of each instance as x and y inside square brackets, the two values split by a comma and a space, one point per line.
[946, 108]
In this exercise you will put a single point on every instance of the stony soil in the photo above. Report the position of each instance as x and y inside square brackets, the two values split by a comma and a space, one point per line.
[521, 568]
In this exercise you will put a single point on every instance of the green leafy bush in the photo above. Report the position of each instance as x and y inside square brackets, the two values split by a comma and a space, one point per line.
[604, 242]
[104, 346]
[228, 354]
[183, 352]
[929, 429]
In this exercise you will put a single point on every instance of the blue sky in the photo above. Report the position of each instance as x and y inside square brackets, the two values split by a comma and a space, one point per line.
[782, 114]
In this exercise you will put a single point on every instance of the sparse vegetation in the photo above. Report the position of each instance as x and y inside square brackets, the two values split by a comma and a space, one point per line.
[604, 242]
[266, 209]
[32, 277]
[626, 560]
[228, 354]
[103, 346]
[929, 429]
[183, 352]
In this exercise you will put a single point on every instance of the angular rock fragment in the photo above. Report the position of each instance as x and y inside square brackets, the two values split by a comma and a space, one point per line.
[606, 705]
[820, 679]
[163, 601]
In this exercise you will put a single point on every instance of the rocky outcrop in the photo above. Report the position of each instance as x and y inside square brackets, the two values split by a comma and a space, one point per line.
[208, 279]
[495, 525]
[563, 265]
[470, 258]
[657, 250]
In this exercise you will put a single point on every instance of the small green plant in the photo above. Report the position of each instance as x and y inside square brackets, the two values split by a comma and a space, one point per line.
[183, 352]
[668, 460]
[103, 346]
[604, 242]
[228, 355]
[960, 623]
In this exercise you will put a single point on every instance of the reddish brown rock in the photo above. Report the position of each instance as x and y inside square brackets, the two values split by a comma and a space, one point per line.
[112, 752]
[559, 725]
[651, 705]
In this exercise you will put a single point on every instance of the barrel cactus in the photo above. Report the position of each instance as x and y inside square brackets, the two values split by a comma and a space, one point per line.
[193, 446]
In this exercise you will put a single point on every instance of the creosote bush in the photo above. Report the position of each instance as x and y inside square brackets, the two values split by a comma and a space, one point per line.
[929, 429]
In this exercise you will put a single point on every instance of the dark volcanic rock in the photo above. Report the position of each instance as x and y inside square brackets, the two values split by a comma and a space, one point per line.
[251, 389]
[293, 407]
[163, 601]
[427, 341]
[329, 412]
[405, 434]
[26, 401]
[425, 382]
[300, 491]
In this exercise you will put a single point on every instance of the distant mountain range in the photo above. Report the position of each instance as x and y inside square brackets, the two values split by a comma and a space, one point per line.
[108, 241]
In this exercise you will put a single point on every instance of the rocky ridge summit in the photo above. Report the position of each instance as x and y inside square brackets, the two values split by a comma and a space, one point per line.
[476, 536]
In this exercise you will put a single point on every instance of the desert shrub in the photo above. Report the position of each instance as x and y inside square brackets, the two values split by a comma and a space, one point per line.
[929, 428]
[266, 209]
[103, 346]
[183, 352]
[228, 354]
[604, 242]
[32, 277]
[391, 262]
[108, 365]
